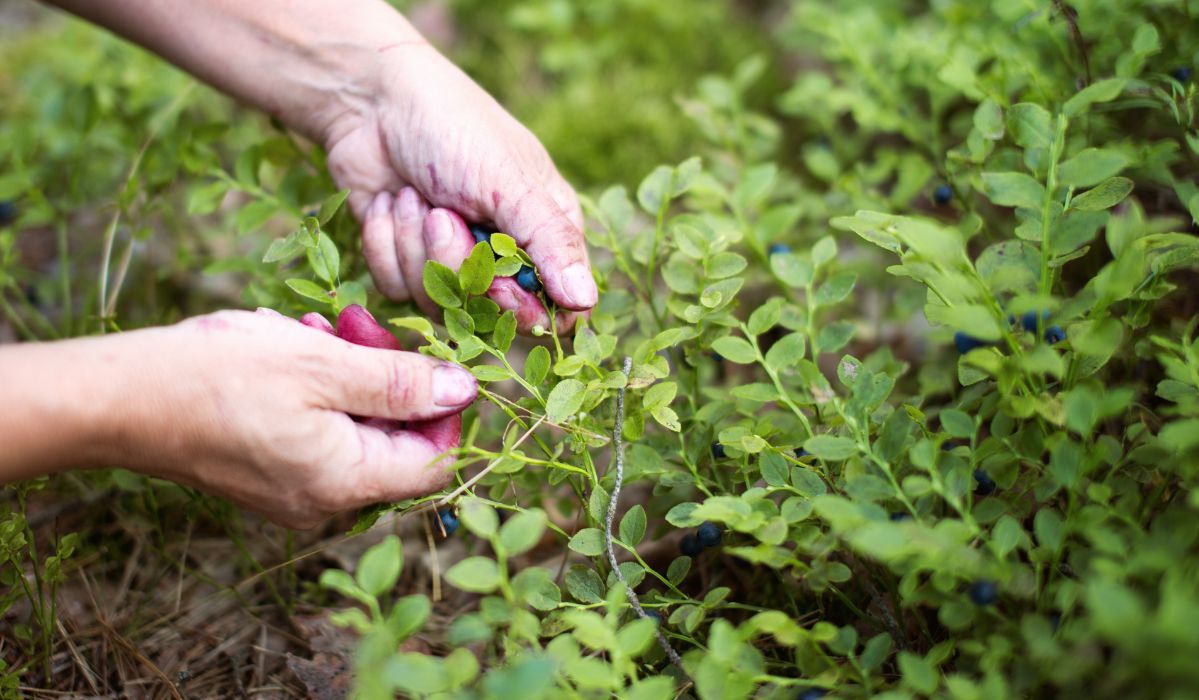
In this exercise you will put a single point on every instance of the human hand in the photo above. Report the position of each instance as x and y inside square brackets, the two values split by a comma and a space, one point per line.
[258, 408]
[434, 148]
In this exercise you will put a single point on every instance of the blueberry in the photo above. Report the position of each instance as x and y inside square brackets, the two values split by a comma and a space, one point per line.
[1182, 73]
[1055, 621]
[965, 343]
[480, 234]
[778, 248]
[717, 357]
[311, 214]
[717, 450]
[985, 484]
[690, 546]
[1054, 334]
[900, 516]
[983, 592]
[526, 277]
[8, 212]
[942, 195]
[812, 694]
[1029, 320]
[449, 521]
[654, 615]
[708, 535]
[800, 453]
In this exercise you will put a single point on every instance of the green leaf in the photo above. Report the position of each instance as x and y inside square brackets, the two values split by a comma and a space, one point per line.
[522, 532]
[1030, 125]
[479, 517]
[478, 269]
[379, 567]
[505, 331]
[330, 206]
[787, 351]
[534, 586]
[537, 365]
[1091, 166]
[1101, 91]
[324, 259]
[654, 190]
[957, 423]
[831, 447]
[343, 583]
[565, 400]
[441, 284]
[284, 248]
[1013, 190]
[836, 289]
[735, 349]
[1106, 195]
[632, 526]
[918, 673]
[474, 575]
[309, 289]
[252, 216]
[589, 542]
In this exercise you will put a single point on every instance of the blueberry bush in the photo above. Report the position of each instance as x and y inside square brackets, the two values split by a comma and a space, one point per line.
[913, 407]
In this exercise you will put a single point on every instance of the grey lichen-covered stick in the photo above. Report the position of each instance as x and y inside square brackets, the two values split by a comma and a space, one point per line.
[618, 458]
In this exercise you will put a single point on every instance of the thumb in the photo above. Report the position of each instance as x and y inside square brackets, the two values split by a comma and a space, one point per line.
[549, 235]
[392, 384]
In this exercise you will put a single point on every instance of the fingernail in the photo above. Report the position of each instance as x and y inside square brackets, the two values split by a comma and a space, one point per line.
[453, 386]
[407, 204]
[381, 204]
[579, 287]
[441, 230]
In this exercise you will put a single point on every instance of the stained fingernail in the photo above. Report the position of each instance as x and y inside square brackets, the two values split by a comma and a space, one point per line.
[453, 386]
[381, 204]
[441, 230]
[579, 287]
[407, 204]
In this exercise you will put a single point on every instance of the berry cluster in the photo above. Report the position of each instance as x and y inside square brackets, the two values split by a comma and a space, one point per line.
[1054, 334]
[705, 536]
[526, 276]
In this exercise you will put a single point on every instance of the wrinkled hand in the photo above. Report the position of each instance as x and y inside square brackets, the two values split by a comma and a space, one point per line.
[259, 408]
[435, 148]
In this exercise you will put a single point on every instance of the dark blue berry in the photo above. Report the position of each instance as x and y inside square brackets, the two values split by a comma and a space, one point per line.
[690, 546]
[449, 521]
[985, 484]
[1055, 620]
[717, 450]
[717, 357]
[812, 694]
[311, 214]
[708, 535]
[526, 277]
[1054, 334]
[983, 592]
[1029, 320]
[900, 516]
[942, 194]
[778, 248]
[654, 615]
[1182, 73]
[965, 343]
[800, 453]
[480, 234]
[8, 212]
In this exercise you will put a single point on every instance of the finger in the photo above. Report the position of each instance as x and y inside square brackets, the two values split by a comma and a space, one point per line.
[404, 464]
[392, 384]
[528, 309]
[314, 320]
[356, 325]
[409, 214]
[263, 311]
[564, 195]
[379, 249]
[555, 243]
[447, 238]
